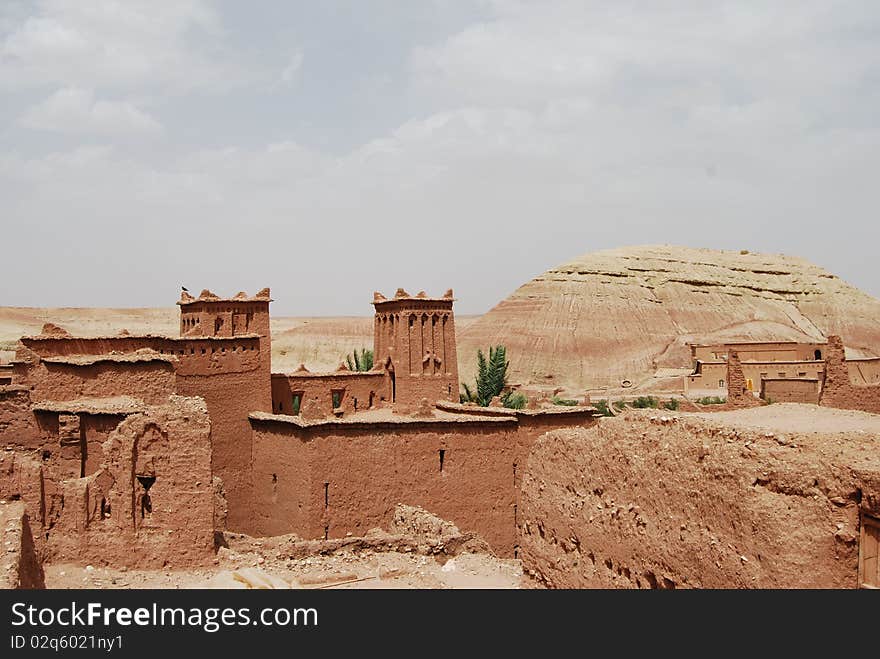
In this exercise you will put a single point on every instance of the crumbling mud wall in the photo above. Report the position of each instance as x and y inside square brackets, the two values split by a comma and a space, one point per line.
[333, 479]
[151, 503]
[670, 502]
[17, 424]
[738, 394]
[20, 565]
[318, 392]
[839, 391]
[790, 390]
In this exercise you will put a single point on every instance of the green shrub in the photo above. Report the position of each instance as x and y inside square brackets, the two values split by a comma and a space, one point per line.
[360, 362]
[514, 400]
[556, 400]
[671, 404]
[711, 400]
[602, 406]
[619, 405]
[491, 377]
[644, 402]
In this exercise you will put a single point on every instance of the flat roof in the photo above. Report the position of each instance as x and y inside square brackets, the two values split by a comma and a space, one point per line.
[124, 358]
[113, 405]
[382, 416]
[124, 337]
[325, 374]
[475, 410]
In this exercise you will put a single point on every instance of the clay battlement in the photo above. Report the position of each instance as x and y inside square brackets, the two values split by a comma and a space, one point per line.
[207, 296]
[402, 295]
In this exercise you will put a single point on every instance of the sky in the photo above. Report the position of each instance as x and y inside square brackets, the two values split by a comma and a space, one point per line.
[330, 149]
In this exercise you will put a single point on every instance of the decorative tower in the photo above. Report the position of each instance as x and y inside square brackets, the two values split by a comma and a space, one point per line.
[210, 315]
[414, 341]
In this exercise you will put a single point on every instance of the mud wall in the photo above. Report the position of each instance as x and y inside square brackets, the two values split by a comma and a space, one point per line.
[337, 479]
[638, 503]
[230, 397]
[357, 391]
[17, 424]
[152, 502]
[20, 565]
[151, 382]
[839, 391]
[790, 391]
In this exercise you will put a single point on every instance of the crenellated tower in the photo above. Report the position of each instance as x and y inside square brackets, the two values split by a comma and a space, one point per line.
[414, 340]
[210, 315]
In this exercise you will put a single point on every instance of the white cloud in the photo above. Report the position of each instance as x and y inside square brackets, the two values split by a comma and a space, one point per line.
[291, 71]
[76, 111]
[128, 43]
[551, 129]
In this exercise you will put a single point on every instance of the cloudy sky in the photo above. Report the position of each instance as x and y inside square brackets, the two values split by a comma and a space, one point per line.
[327, 149]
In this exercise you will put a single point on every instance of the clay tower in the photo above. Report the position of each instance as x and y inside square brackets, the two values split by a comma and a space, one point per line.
[414, 339]
[210, 315]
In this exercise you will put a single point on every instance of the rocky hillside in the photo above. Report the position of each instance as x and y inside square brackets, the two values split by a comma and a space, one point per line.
[627, 313]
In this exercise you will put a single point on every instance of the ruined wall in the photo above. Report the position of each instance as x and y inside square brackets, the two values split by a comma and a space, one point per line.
[367, 469]
[864, 371]
[151, 382]
[346, 476]
[838, 390]
[17, 424]
[152, 502]
[790, 390]
[357, 391]
[635, 502]
[738, 394]
[21, 479]
[234, 380]
[20, 566]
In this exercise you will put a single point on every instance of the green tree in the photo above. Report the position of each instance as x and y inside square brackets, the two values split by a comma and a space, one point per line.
[360, 362]
[491, 377]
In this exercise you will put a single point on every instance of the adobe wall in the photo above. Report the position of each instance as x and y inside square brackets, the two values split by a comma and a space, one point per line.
[17, 424]
[864, 371]
[636, 503]
[151, 382]
[790, 390]
[371, 467]
[152, 502]
[359, 390]
[20, 566]
[21, 479]
[738, 394]
[839, 391]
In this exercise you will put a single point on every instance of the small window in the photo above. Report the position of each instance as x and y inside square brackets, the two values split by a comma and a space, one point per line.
[296, 402]
[721, 384]
[802, 374]
[782, 374]
[336, 396]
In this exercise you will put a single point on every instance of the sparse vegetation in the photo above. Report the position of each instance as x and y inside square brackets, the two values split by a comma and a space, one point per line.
[602, 406]
[711, 400]
[556, 400]
[514, 400]
[645, 402]
[360, 361]
[619, 405]
[671, 404]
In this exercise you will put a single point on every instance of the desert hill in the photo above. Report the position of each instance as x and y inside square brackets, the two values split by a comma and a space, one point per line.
[628, 313]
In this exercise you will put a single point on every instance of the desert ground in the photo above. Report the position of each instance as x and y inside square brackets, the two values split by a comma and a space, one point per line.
[321, 343]
[349, 570]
